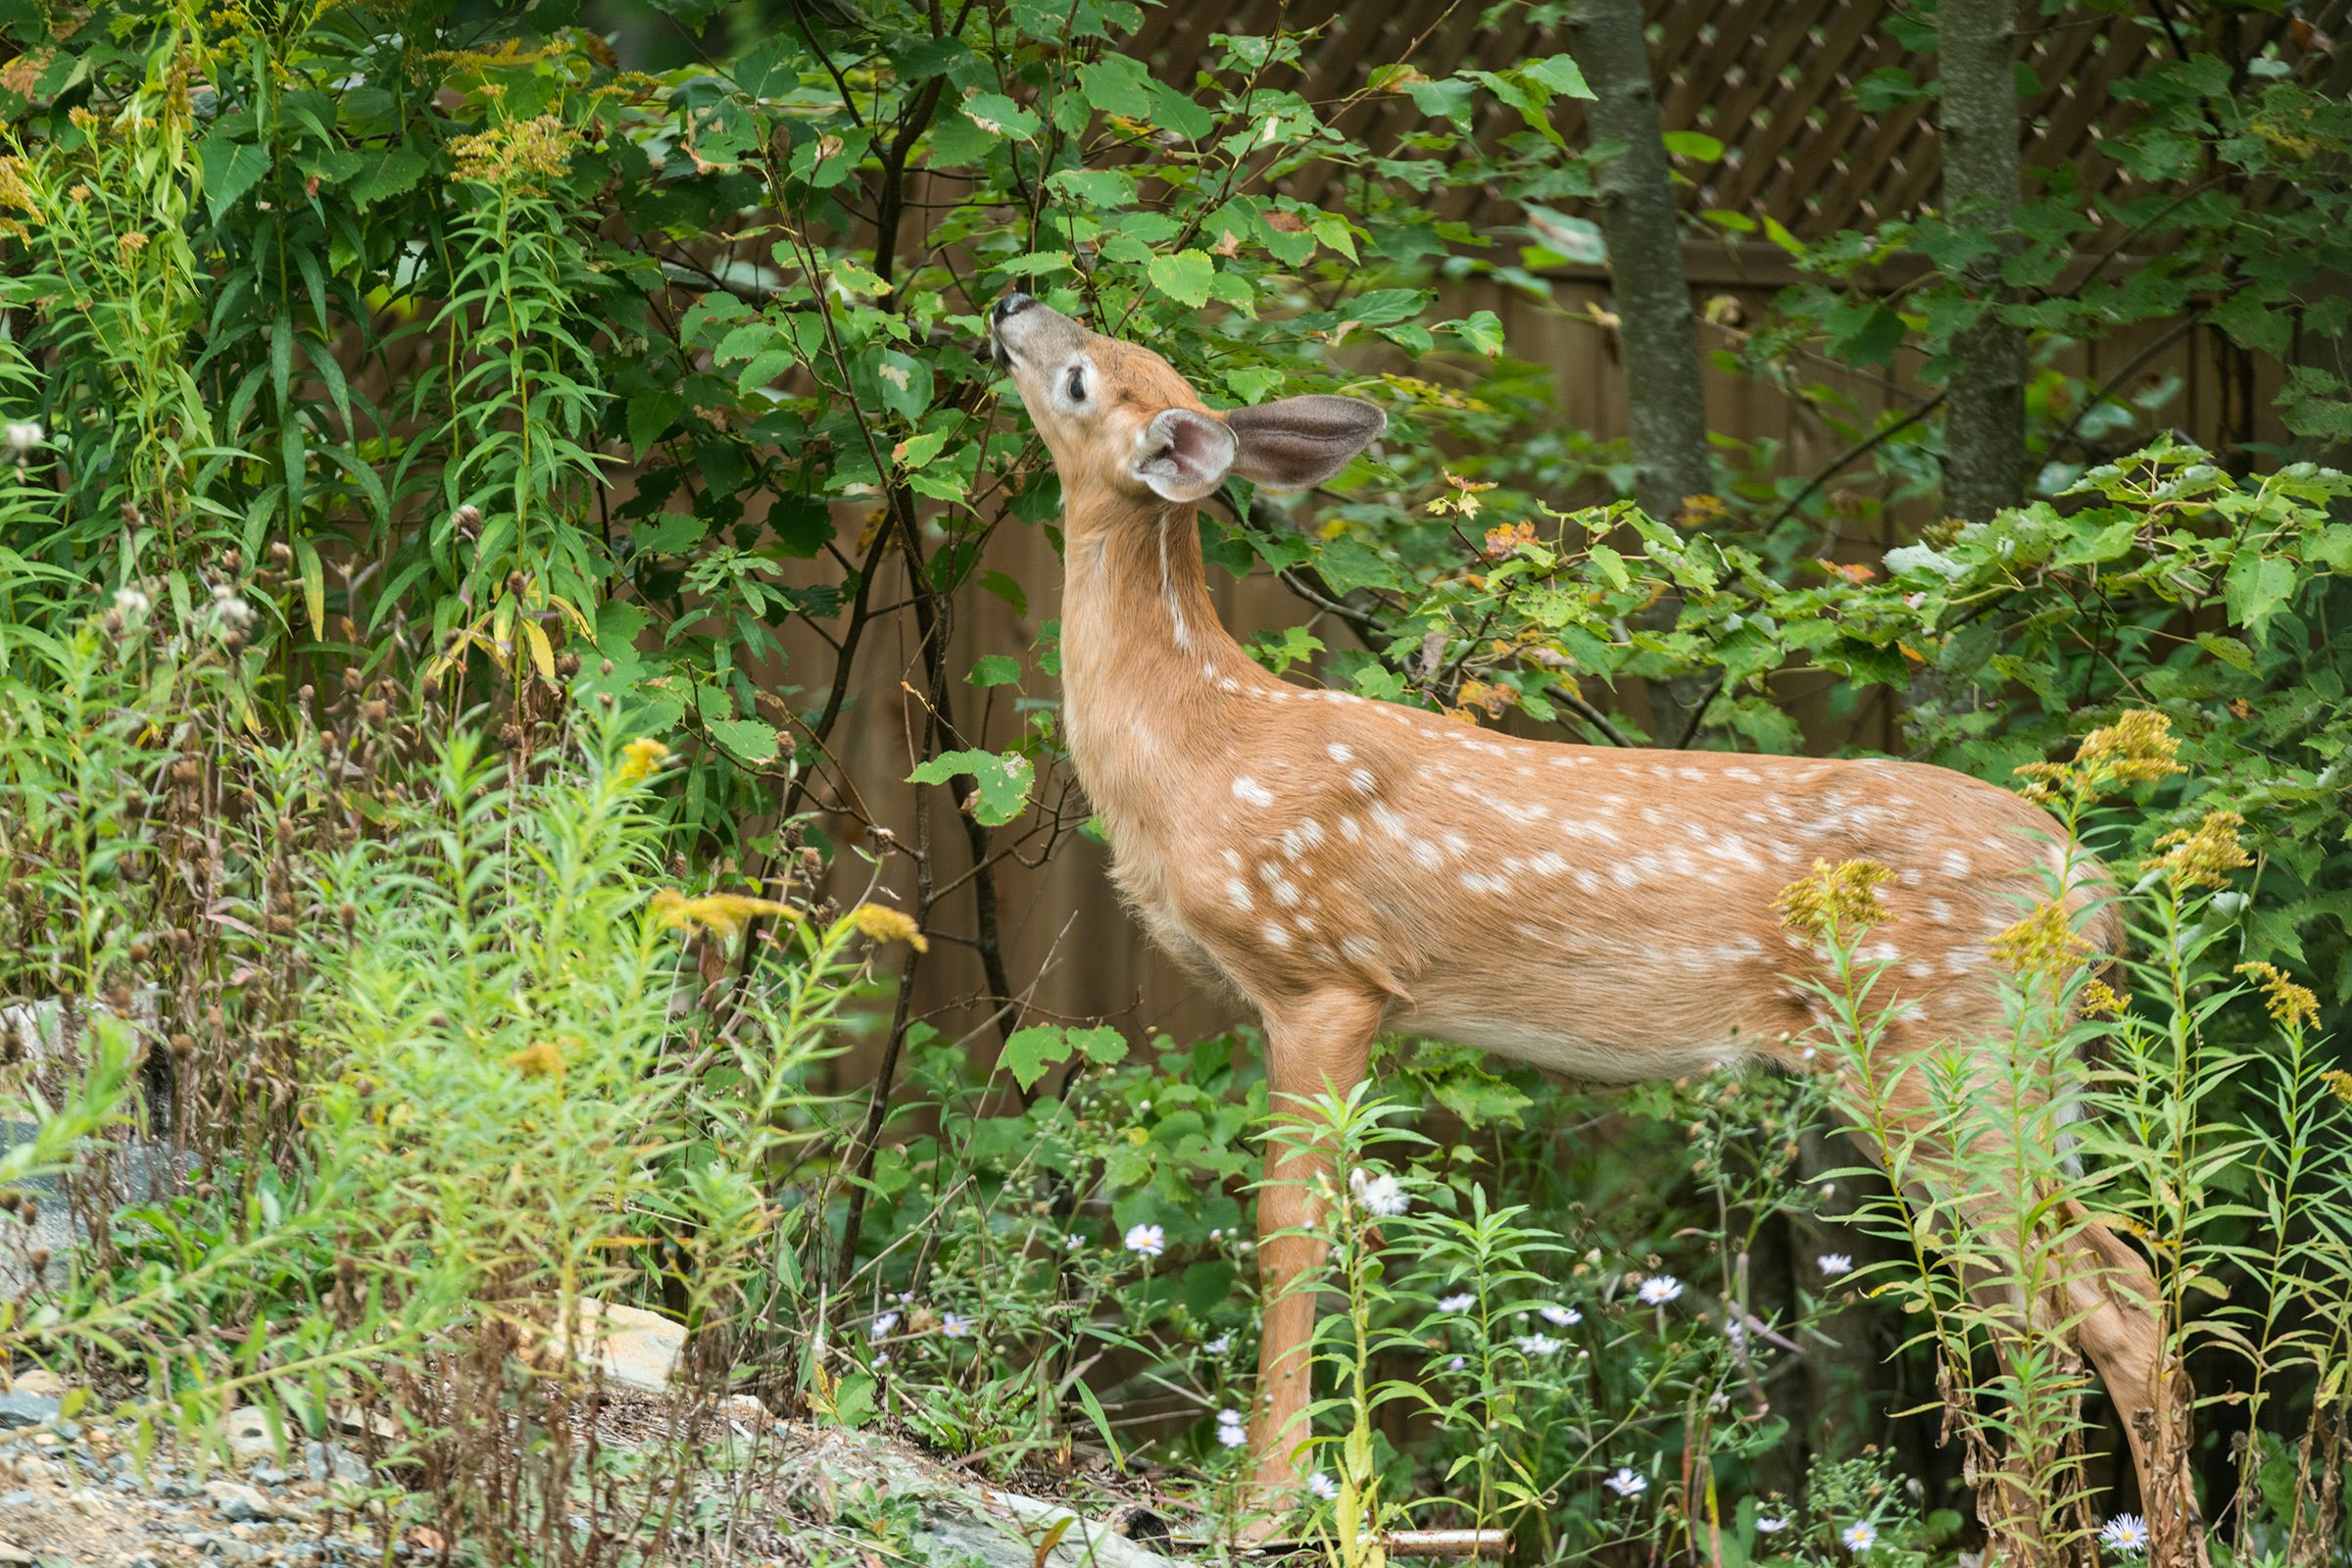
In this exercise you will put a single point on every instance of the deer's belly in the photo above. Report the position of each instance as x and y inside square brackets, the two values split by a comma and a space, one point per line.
[1627, 1037]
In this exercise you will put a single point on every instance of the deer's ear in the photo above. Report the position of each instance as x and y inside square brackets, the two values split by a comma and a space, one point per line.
[1182, 455]
[1291, 443]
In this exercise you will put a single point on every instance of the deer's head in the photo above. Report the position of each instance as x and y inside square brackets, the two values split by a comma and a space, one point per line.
[1116, 417]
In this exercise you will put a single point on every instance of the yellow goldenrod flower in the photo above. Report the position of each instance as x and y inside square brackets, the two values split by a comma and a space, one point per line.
[2045, 944]
[2138, 748]
[2099, 996]
[724, 914]
[2203, 855]
[2286, 1001]
[2339, 1081]
[541, 1058]
[886, 924]
[1842, 898]
[523, 152]
[640, 758]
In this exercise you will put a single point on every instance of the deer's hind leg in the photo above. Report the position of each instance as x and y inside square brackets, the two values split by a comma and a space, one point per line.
[2085, 1276]
[2112, 1295]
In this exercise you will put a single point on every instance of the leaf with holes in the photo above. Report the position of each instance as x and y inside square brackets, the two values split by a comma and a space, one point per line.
[1184, 276]
[1000, 782]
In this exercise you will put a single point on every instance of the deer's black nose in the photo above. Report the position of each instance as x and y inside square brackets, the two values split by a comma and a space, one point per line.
[1011, 306]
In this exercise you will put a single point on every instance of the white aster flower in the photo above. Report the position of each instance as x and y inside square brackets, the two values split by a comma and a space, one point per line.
[2126, 1532]
[1834, 1264]
[1627, 1482]
[1219, 1345]
[1560, 1316]
[1322, 1486]
[1659, 1289]
[1859, 1536]
[131, 603]
[1771, 1524]
[21, 435]
[1148, 1241]
[1379, 1195]
[955, 1325]
[883, 1325]
[1537, 1344]
[1458, 1301]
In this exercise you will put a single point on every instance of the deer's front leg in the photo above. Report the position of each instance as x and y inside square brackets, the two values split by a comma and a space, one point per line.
[1315, 1045]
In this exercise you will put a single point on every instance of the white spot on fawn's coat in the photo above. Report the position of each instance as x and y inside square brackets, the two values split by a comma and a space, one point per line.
[1252, 792]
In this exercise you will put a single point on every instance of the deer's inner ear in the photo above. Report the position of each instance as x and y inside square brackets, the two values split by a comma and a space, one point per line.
[1291, 443]
[1182, 455]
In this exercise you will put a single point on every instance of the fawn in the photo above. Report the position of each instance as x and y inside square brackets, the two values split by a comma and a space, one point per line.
[1347, 865]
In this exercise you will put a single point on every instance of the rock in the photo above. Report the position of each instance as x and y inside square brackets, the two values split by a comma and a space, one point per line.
[324, 1461]
[630, 1345]
[963, 1522]
[14, 1556]
[247, 1431]
[42, 1381]
[16, 1499]
[27, 1411]
[241, 1504]
[268, 1476]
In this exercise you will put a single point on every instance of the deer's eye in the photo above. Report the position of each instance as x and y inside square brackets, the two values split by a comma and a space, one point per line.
[1077, 383]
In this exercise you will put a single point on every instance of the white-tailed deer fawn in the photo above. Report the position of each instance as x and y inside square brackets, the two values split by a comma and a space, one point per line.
[1350, 865]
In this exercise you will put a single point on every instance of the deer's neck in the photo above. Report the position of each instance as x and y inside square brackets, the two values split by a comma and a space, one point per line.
[1149, 673]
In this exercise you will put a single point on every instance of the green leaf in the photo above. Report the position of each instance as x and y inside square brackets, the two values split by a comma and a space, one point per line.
[314, 585]
[1451, 99]
[650, 413]
[1032, 1052]
[231, 169]
[746, 739]
[999, 116]
[1001, 783]
[1563, 77]
[1184, 276]
[2228, 650]
[1118, 84]
[1694, 144]
[1481, 330]
[2256, 588]
[994, 669]
[856, 277]
[384, 175]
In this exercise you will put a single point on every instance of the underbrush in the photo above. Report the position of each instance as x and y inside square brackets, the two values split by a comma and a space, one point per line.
[433, 1043]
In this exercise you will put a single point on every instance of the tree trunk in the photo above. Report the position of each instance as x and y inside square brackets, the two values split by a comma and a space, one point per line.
[1646, 261]
[1985, 428]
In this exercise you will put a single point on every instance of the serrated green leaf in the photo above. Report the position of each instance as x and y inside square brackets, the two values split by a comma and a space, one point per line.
[1184, 276]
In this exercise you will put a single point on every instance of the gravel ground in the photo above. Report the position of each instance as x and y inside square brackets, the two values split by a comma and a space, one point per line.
[71, 1496]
